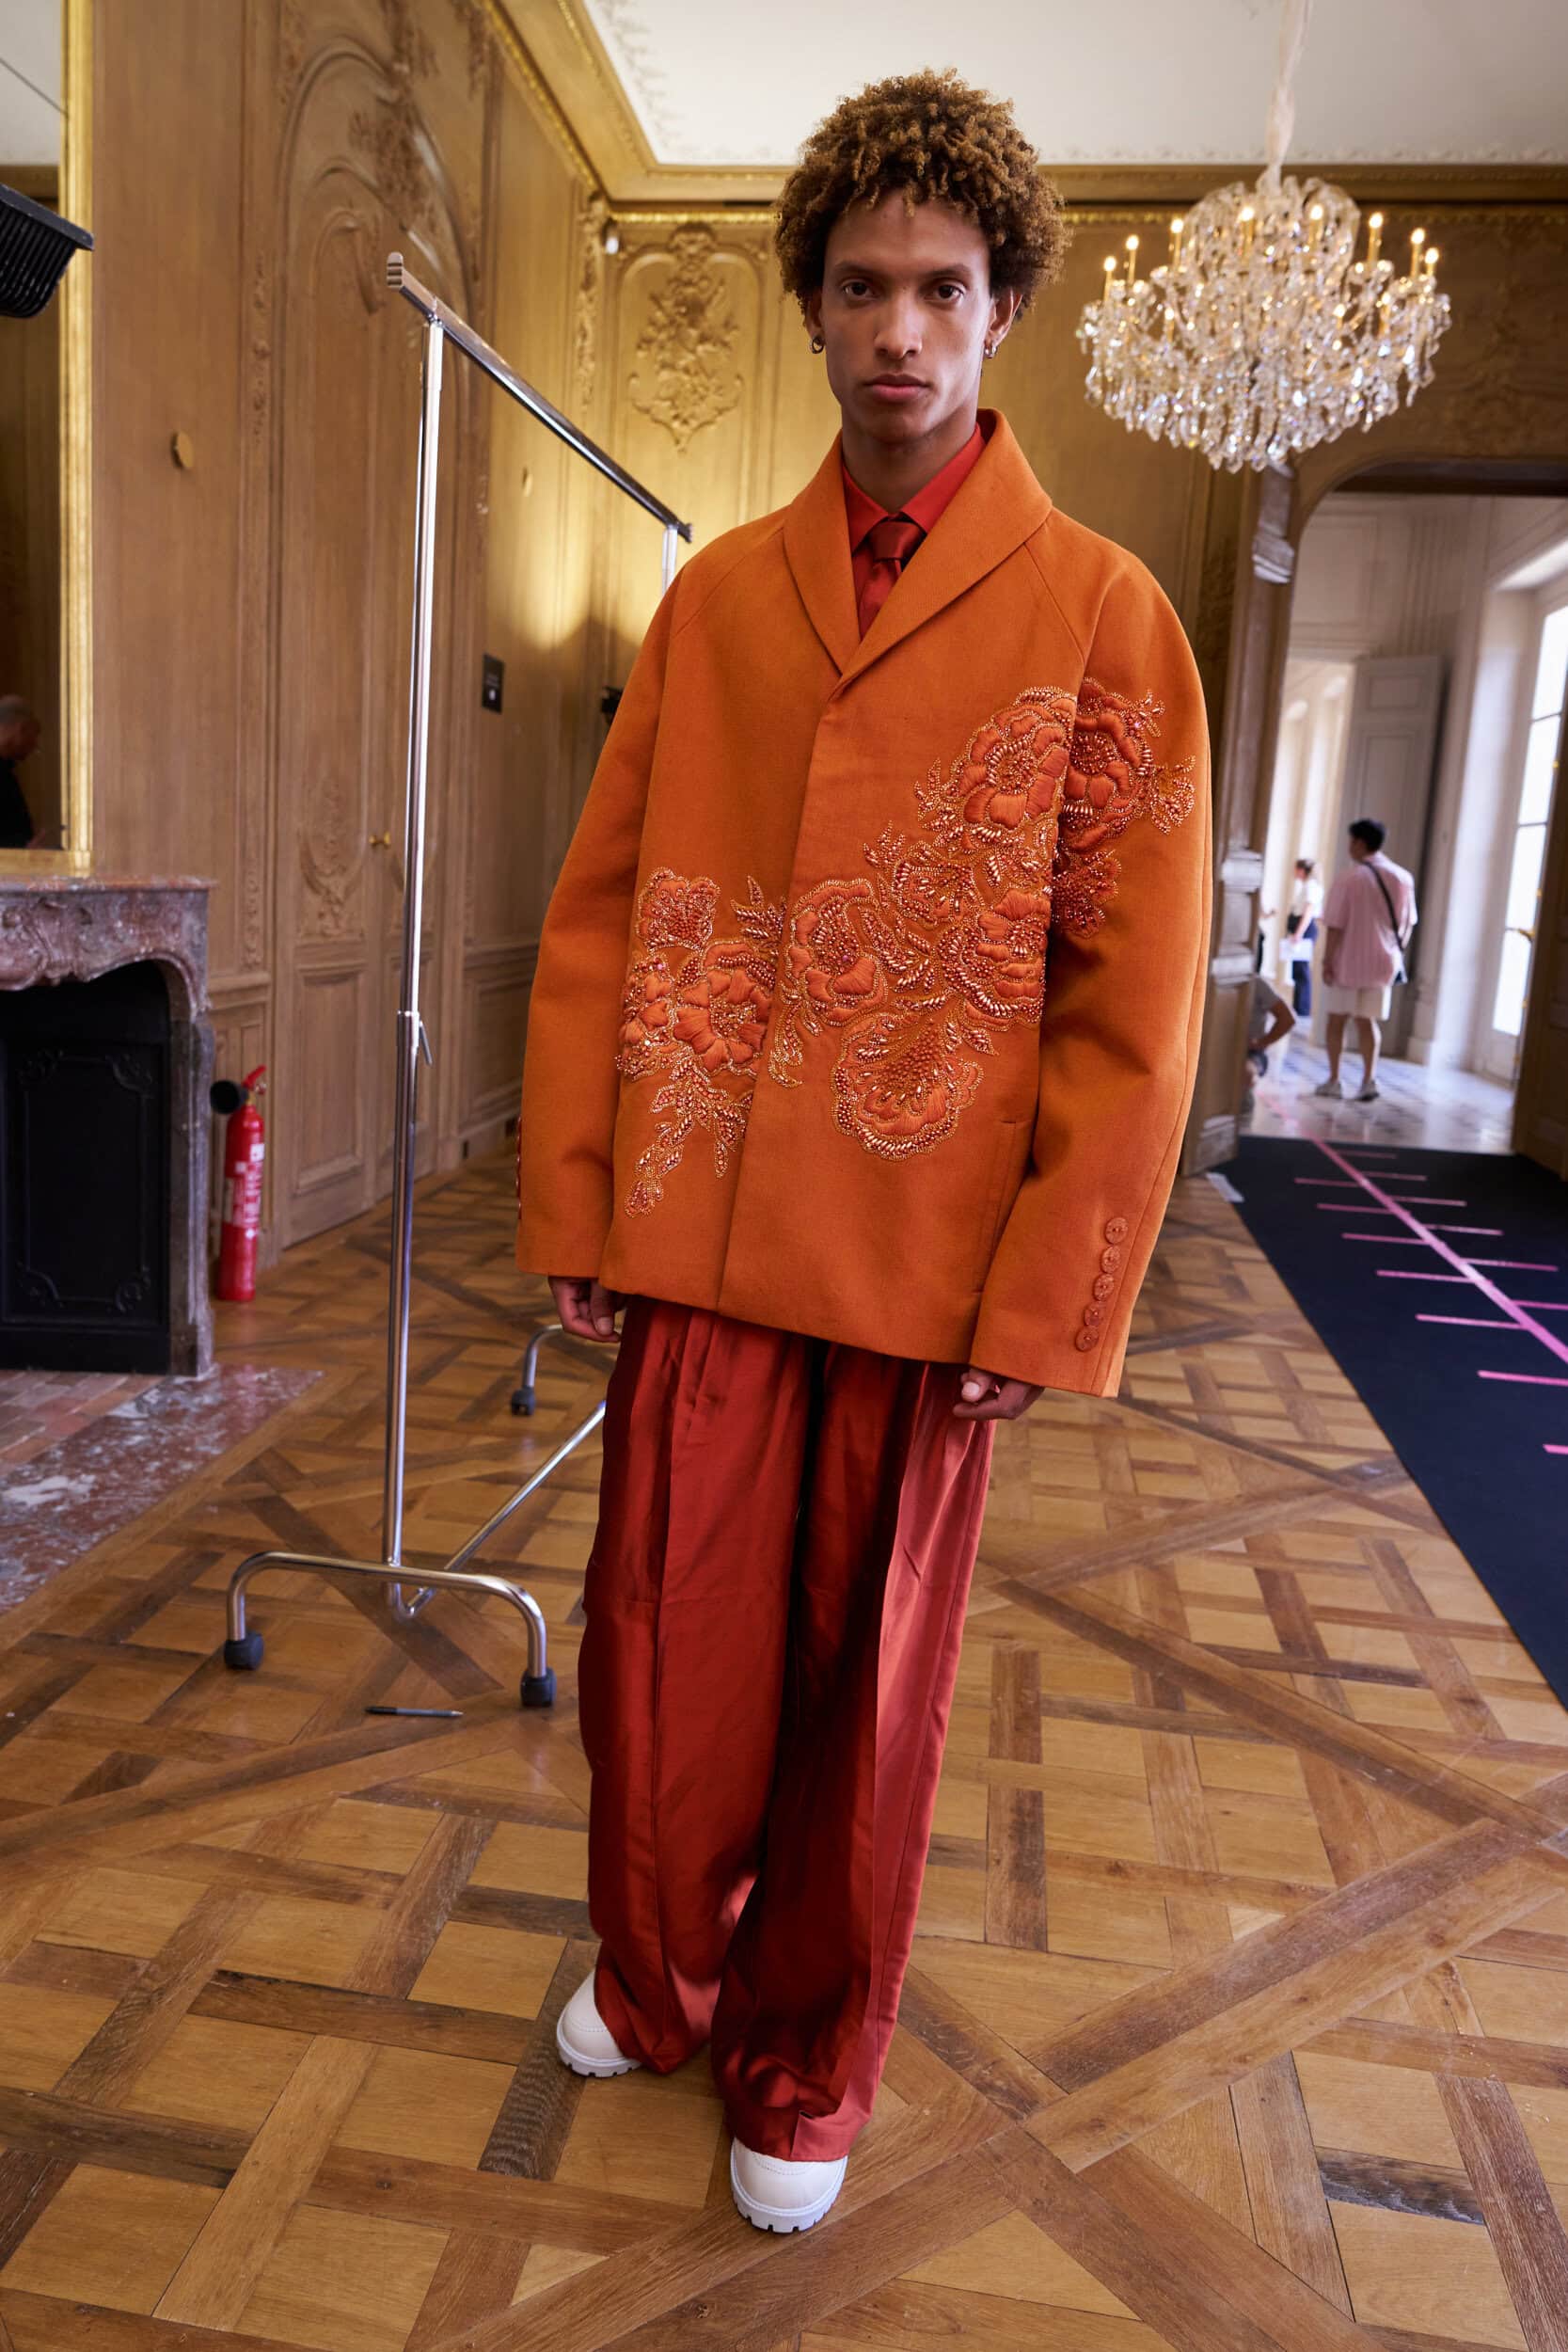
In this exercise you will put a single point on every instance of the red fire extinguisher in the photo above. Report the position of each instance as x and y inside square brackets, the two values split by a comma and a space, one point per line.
[244, 1151]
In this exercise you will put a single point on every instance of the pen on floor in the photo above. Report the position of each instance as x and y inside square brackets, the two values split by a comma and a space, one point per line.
[413, 1711]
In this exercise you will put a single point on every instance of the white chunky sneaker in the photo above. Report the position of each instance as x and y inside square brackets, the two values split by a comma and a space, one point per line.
[1370, 1092]
[1332, 1088]
[585, 2041]
[776, 2193]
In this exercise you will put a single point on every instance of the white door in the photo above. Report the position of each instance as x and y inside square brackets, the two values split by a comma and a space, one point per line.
[1390, 753]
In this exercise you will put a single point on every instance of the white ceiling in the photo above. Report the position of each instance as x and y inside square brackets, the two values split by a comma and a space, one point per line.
[1126, 82]
[29, 81]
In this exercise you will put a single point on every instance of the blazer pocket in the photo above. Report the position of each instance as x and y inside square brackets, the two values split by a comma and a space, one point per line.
[1001, 1186]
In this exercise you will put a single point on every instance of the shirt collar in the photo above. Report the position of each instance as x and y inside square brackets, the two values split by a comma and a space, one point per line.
[928, 502]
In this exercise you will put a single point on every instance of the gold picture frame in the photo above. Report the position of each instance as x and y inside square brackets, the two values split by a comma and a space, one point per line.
[75, 300]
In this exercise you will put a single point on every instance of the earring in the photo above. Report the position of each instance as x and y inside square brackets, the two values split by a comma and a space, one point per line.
[990, 351]
[818, 343]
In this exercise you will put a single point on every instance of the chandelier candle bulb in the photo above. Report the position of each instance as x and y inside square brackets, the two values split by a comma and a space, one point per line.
[1176, 228]
[1131, 261]
[1374, 239]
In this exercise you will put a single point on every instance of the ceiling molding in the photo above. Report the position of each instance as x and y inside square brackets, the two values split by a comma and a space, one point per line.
[561, 46]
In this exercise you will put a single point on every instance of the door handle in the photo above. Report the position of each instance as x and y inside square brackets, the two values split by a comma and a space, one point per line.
[381, 841]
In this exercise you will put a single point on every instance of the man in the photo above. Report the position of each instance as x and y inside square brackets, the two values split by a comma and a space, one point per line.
[19, 738]
[1366, 924]
[799, 1095]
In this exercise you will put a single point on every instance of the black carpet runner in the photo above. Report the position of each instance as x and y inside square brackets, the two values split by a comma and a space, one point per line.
[1438, 1281]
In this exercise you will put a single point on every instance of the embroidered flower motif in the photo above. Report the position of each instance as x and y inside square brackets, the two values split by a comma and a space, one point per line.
[694, 1015]
[925, 962]
[1114, 777]
[920, 963]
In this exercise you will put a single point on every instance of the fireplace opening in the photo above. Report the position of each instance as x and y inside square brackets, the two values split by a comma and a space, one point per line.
[84, 1174]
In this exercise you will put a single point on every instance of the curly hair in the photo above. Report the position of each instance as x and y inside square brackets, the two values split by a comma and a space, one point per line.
[924, 135]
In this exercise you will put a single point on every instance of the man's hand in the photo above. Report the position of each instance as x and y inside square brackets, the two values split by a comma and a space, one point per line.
[986, 1396]
[586, 1309]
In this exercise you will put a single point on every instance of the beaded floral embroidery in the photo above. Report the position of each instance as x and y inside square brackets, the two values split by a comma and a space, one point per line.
[924, 961]
[695, 1016]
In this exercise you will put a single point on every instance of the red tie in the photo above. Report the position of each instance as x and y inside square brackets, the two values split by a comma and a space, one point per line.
[892, 542]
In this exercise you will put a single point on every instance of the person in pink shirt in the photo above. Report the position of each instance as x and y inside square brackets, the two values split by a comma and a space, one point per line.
[1367, 921]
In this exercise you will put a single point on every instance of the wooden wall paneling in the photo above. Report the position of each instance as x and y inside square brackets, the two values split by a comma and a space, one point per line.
[328, 683]
[532, 614]
[1244, 732]
[167, 327]
[1137, 491]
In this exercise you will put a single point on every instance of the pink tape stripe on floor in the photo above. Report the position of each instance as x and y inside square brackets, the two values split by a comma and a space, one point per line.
[1476, 1322]
[1530, 1379]
[1407, 1274]
[1499, 1298]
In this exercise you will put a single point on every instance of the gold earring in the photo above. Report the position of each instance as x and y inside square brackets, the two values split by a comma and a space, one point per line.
[818, 343]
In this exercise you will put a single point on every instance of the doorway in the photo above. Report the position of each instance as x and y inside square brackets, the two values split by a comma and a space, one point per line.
[1423, 686]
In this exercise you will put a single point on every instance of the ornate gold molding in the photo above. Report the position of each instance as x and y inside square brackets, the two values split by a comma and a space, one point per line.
[686, 376]
[521, 62]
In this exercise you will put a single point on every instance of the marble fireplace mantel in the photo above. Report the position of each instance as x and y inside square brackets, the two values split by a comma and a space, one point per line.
[57, 926]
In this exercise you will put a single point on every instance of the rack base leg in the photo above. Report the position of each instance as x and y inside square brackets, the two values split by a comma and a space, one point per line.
[245, 1655]
[538, 1690]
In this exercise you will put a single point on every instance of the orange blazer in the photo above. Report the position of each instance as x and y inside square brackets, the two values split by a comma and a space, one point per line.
[868, 1003]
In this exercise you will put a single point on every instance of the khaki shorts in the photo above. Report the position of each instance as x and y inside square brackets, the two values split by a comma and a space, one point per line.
[1370, 1004]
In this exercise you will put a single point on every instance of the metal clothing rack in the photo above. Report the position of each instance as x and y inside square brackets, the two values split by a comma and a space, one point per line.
[242, 1648]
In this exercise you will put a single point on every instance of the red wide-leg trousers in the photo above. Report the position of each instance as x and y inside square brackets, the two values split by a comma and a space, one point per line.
[774, 1605]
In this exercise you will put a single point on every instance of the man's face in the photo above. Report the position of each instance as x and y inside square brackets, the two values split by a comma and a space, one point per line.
[905, 310]
[18, 735]
[1358, 849]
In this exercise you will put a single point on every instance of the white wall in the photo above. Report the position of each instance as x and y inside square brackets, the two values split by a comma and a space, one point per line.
[1389, 575]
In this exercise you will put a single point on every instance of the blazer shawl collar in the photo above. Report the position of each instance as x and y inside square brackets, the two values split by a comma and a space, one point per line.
[993, 512]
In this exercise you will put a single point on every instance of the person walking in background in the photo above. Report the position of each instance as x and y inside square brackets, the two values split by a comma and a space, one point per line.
[1272, 1019]
[1301, 931]
[1367, 921]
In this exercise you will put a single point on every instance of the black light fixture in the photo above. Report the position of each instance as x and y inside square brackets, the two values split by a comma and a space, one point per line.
[35, 246]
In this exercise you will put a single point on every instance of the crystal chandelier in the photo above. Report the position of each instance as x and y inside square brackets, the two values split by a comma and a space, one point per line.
[1263, 333]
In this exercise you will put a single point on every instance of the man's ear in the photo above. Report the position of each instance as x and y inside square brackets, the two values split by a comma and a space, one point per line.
[812, 307]
[1003, 310]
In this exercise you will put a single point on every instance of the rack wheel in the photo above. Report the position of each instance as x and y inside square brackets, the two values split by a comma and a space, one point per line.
[244, 1656]
[522, 1400]
[538, 1690]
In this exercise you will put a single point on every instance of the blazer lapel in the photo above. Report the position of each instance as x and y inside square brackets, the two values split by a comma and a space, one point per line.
[996, 510]
[816, 549]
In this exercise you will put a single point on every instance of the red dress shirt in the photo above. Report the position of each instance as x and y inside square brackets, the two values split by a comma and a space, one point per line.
[924, 509]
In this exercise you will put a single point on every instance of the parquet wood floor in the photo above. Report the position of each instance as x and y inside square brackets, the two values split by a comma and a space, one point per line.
[1238, 2020]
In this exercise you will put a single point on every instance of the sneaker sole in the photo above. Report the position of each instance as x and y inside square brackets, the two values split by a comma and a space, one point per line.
[599, 2069]
[773, 2217]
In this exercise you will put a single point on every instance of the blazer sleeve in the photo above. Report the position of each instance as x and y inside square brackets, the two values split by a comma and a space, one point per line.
[1123, 1010]
[566, 1125]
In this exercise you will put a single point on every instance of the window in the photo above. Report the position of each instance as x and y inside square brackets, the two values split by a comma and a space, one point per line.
[1535, 808]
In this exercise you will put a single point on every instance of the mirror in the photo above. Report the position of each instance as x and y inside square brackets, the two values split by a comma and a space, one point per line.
[43, 575]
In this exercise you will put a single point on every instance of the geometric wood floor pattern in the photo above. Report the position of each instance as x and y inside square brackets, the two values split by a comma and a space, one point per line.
[1238, 2018]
